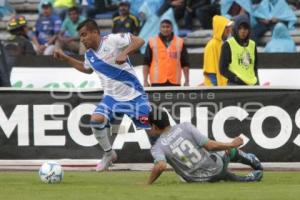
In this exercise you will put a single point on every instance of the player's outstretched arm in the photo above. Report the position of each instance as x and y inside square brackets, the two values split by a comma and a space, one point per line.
[157, 170]
[136, 43]
[60, 55]
[220, 146]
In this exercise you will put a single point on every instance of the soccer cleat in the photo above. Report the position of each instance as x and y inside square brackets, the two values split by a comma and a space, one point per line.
[249, 159]
[255, 163]
[106, 161]
[254, 176]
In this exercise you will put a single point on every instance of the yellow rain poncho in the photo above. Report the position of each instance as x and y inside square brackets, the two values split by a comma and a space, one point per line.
[212, 52]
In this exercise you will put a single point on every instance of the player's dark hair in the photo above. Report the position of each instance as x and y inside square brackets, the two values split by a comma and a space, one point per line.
[166, 21]
[90, 24]
[159, 118]
[74, 8]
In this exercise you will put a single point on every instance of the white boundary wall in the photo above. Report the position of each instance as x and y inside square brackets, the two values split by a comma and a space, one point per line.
[23, 77]
[89, 165]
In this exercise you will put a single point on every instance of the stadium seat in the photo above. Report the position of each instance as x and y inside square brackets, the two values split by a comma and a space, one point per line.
[107, 15]
[194, 40]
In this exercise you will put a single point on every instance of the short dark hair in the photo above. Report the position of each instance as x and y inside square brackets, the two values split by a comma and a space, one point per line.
[166, 21]
[74, 8]
[46, 4]
[159, 118]
[244, 25]
[90, 24]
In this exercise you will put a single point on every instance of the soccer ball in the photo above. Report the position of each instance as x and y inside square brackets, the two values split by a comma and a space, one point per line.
[51, 172]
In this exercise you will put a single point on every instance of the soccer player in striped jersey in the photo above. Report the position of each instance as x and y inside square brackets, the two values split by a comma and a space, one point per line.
[123, 93]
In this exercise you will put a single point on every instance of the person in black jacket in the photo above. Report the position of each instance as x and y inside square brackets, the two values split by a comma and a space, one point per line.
[238, 61]
[203, 10]
[17, 45]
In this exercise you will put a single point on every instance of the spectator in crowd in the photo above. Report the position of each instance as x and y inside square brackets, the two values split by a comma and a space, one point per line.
[221, 31]
[165, 58]
[125, 22]
[17, 27]
[231, 8]
[135, 6]
[47, 28]
[4, 77]
[190, 12]
[256, 2]
[43, 2]
[203, 10]
[61, 7]
[178, 7]
[295, 3]
[17, 45]
[152, 6]
[68, 38]
[281, 41]
[268, 13]
[151, 27]
[86, 6]
[100, 7]
[5, 8]
[238, 62]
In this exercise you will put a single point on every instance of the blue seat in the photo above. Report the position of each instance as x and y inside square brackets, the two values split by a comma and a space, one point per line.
[183, 32]
[107, 15]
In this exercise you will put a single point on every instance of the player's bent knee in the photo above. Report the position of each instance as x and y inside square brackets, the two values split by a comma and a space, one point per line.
[98, 122]
[97, 125]
[98, 118]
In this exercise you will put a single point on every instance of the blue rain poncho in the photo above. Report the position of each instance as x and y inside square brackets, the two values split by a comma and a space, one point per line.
[226, 5]
[5, 8]
[278, 9]
[135, 6]
[281, 40]
[152, 24]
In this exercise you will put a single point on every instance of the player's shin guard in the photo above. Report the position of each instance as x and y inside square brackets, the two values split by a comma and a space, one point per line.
[245, 158]
[102, 132]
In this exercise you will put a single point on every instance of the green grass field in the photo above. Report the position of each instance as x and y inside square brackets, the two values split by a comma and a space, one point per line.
[131, 186]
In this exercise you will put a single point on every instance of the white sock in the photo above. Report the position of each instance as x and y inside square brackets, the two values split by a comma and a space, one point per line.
[102, 136]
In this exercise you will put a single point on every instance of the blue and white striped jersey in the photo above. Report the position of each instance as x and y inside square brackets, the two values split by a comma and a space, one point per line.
[118, 81]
